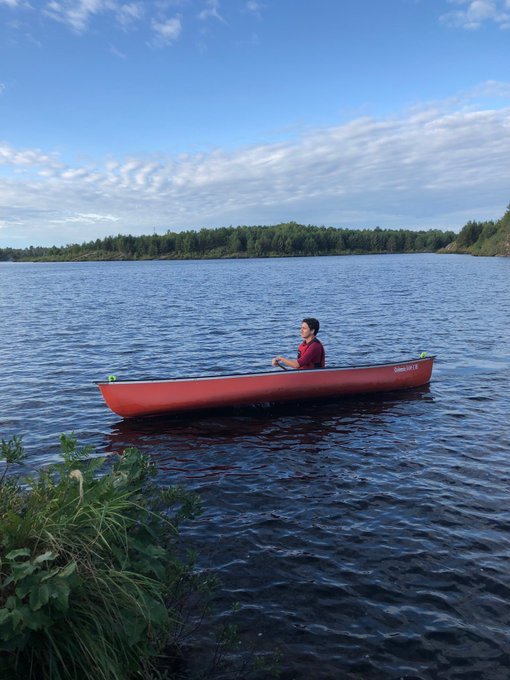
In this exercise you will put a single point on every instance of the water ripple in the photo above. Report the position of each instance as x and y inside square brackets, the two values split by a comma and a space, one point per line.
[363, 538]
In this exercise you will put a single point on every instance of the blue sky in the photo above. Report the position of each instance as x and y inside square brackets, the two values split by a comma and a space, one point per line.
[130, 117]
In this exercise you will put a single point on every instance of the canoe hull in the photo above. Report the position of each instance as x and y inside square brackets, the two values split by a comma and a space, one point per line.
[154, 397]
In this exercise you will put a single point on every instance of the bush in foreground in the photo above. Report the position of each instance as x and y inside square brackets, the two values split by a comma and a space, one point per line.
[86, 566]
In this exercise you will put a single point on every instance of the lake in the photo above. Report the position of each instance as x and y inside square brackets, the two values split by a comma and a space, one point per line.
[361, 538]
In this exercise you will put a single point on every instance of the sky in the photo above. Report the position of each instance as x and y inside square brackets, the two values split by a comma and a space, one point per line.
[140, 117]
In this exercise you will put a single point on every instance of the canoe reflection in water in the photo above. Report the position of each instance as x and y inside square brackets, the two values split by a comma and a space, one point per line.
[245, 441]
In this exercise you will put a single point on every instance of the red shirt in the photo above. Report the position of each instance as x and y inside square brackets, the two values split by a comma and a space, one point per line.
[311, 354]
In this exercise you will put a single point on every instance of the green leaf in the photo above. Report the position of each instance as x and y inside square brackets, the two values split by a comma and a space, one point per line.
[6, 627]
[19, 572]
[49, 574]
[45, 557]
[16, 620]
[39, 596]
[158, 614]
[12, 450]
[68, 444]
[59, 591]
[12, 644]
[9, 622]
[14, 554]
[25, 587]
[35, 620]
[135, 630]
[11, 602]
[68, 570]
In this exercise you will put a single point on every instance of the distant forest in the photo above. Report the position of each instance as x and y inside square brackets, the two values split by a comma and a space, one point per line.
[484, 238]
[282, 240]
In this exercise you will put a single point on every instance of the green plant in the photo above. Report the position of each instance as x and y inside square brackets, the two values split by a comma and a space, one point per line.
[87, 566]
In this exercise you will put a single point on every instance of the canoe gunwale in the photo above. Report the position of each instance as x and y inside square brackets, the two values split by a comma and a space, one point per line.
[198, 378]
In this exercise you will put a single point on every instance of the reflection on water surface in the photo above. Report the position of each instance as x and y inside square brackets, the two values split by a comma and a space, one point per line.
[362, 538]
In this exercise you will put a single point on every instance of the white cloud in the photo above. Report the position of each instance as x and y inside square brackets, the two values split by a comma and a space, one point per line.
[30, 157]
[490, 88]
[118, 53]
[76, 14]
[83, 218]
[166, 31]
[477, 13]
[211, 11]
[434, 166]
[254, 6]
[142, 15]
[130, 13]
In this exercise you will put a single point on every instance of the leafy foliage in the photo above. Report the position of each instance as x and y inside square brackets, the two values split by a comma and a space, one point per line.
[484, 238]
[470, 234]
[87, 567]
[289, 239]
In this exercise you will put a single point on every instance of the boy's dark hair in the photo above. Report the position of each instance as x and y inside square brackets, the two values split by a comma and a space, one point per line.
[313, 324]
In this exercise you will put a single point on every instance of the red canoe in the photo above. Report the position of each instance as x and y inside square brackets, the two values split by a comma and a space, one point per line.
[152, 397]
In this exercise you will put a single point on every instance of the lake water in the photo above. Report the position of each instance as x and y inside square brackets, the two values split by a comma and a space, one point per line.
[364, 538]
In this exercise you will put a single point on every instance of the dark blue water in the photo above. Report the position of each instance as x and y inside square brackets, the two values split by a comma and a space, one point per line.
[365, 538]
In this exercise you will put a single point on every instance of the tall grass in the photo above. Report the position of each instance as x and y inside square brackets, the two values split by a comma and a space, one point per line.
[86, 566]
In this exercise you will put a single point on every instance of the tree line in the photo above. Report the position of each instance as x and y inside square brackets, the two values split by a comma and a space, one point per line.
[484, 238]
[282, 240]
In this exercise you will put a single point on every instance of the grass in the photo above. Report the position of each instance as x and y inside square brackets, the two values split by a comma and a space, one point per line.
[87, 566]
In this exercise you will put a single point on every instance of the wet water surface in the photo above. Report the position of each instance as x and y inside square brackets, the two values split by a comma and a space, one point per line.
[362, 538]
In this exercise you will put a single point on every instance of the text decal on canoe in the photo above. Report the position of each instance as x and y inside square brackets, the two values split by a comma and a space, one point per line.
[403, 369]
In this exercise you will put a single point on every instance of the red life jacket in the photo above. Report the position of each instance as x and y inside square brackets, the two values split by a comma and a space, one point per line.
[318, 364]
